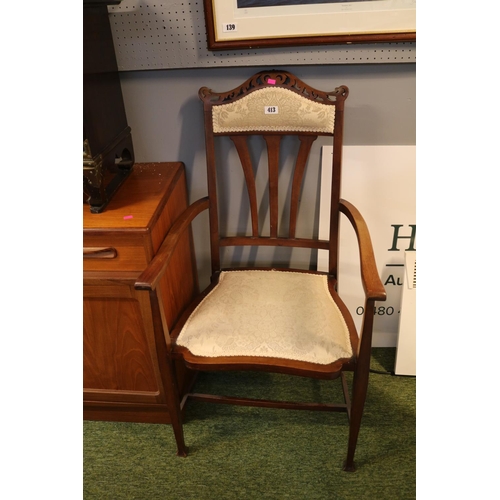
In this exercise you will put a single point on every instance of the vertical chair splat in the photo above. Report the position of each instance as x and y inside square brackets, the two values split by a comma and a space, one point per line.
[242, 147]
[306, 142]
[273, 155]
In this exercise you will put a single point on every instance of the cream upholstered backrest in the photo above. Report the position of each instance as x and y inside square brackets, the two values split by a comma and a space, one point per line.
[273, 109]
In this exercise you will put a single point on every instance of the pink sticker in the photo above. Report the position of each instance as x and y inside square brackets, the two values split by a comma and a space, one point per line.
[271, 81]
[128, 217]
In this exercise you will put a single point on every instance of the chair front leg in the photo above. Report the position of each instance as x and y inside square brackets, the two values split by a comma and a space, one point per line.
[360, 383]
[168, 376]
[174, 408]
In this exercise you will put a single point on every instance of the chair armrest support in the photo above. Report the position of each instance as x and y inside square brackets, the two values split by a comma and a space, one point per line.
[372, 284]
[149, 278]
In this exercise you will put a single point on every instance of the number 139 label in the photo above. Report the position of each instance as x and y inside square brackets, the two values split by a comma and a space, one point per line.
[229, 28]
[270, 110]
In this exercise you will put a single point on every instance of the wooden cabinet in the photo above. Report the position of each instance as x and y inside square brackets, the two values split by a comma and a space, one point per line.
[122, 373]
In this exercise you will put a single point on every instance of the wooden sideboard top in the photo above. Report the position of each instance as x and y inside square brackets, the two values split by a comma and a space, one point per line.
[136, 202]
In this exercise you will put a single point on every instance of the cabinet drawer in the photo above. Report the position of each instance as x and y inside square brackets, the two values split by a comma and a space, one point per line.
[119, 253]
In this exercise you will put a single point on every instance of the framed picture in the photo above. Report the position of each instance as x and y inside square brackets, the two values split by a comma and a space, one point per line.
[238, 24]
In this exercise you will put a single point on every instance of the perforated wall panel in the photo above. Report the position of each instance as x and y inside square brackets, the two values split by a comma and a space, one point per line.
[155, 34]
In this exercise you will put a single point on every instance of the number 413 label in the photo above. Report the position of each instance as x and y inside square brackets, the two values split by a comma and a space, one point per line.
[270, 110]
[229, 28]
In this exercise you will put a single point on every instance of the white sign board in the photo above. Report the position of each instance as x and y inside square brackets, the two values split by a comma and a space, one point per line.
[380, 182]
[406, 356]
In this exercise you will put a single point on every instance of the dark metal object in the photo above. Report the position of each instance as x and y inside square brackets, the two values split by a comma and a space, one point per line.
[108, 154]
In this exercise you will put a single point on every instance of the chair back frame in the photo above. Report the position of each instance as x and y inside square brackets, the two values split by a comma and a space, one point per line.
[219, 105]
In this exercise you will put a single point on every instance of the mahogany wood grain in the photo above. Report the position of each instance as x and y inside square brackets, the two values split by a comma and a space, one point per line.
[137, 210]
[360, 384]
[212, 189]
[338, 140]
[130, 256]
[167, 371]
[265, 364]
[273, 157]
[242, 147]
[140, 197]
[306, 142]
[369, 274]
[114, 339]
[266, 403]
[99, 253]
[125, 412]
[149, 279]
[122, 372]
[113, 291]
[274, 242]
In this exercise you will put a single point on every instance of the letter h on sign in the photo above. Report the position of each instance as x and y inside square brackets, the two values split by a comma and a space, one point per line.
[396, 237]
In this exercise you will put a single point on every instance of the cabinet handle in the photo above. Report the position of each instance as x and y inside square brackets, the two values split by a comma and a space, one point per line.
[99, 253]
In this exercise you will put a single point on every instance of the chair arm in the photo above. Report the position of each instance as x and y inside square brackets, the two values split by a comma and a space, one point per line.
[369, 275]
[149, 278]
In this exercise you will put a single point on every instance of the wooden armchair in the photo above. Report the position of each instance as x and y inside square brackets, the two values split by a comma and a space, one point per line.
[277, 320]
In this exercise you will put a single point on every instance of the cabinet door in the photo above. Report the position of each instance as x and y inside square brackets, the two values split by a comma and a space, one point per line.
[119, 361]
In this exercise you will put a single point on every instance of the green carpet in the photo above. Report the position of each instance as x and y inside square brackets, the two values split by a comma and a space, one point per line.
[255, 453]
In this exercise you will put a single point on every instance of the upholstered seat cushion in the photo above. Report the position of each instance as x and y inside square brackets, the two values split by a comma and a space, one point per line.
[279, 314]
